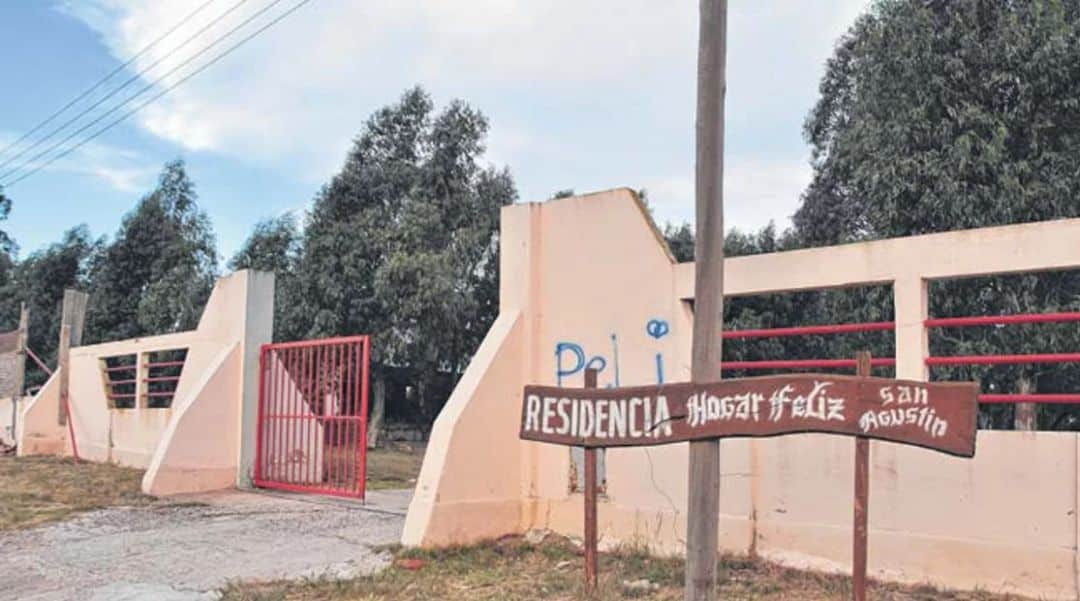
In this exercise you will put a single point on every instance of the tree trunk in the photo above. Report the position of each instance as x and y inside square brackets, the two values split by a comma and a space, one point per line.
[1027, 414]
[378, 410]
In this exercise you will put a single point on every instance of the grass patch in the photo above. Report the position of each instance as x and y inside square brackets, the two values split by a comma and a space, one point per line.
[393, 468]
[513, 570]
[38, 490]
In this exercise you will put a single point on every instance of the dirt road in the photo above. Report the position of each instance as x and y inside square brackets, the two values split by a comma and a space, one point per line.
[186, 552]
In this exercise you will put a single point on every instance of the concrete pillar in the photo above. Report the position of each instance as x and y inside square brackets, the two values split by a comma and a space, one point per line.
[258, 330]
[911, 302]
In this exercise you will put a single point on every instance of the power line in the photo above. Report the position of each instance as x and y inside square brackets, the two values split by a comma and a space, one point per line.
[142, 90]
[115, 122]
[116, 91]
[97, 85]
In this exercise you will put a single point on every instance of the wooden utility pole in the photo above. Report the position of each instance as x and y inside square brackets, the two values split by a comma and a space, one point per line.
[72, 321]
[20, 349]
[17, 388]
[703, 507]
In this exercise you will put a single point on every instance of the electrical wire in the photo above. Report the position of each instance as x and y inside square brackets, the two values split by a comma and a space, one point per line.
[127, 83]
[101, 81]
[202, 68]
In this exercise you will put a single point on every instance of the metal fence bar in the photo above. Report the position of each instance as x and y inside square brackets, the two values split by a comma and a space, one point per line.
[1030, 398]
[38, 361]
[845, 328]
[990, 320]
[1004, 359]
[803, 364]
[312, 416]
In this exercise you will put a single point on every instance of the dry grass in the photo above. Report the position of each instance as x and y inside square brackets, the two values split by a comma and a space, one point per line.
[37, 490]
[512, 570]
[394, 468]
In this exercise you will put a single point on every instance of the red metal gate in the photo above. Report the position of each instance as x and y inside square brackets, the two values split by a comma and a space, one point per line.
[313, 399]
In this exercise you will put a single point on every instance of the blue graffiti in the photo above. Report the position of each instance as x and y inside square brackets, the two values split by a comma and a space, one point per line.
[571, 358]
[657, 328]
[579, 362]
[615, 354]
[579, 356]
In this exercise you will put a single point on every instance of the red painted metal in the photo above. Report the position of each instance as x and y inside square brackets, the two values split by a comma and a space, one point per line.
[152, 365]
[1004, 359]
[804, 364]
[312, 416]
[1030, 398]
[843, 328]
[120, 368]
[38, 361]
[992, 320]
[941, 322]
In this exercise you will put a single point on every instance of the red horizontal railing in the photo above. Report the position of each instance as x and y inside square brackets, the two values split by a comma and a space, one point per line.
[162, 379]
[1004, 359]
[1041, 358]
[804, 364]
[941, 322]
[165, 364]
[1030, 398]
[840, 328]
[994, 320]
[121, 368]
[315, 343]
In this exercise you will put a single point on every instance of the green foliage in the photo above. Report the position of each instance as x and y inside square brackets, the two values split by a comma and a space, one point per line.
[156, 275]
[272, 246]
[946, 116]
[680, 240]
[39, 281]
[402, 243]
[953, 115]
[7, 245]
[275, 246]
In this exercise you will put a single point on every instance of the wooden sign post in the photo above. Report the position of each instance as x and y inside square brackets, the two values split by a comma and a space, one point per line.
[591, 539]
[939, 416]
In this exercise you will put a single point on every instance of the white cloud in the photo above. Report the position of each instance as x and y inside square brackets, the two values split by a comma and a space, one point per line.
[755, 193]
[312, 79]
[119, 168]
[568, 84]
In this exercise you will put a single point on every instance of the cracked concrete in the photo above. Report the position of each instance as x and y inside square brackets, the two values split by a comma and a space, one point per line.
[186, 552]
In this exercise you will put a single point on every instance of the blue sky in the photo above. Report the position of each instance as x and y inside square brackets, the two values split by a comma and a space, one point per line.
[580, 94]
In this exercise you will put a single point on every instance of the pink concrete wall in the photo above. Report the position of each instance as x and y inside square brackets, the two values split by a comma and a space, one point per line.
[590, 275]
[236, 320]
[197, 450]
[39, 432]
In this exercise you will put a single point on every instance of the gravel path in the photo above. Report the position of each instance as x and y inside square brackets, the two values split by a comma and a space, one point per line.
[186, 552]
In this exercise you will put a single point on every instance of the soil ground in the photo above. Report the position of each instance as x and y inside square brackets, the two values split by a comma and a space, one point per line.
[85, 532]
[394, 468]
[38, 490]
[513, 570]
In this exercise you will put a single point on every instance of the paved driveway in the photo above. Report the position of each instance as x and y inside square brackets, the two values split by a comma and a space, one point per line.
[185, 552]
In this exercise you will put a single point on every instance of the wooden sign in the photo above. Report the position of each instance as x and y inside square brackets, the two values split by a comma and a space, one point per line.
[934, 415]
[938, 416]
